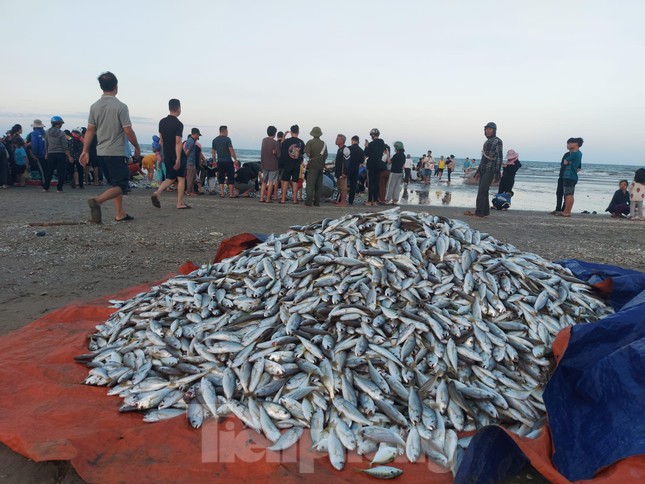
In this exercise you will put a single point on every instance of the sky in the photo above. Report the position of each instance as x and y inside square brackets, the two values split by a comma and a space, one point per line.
[428, 73]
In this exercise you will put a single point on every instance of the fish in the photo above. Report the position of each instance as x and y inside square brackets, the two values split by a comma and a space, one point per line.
[384, 332]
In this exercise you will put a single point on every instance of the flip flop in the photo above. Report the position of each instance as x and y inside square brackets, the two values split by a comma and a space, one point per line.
[155, 201]
[468, 213]
[185, 207]
[127, 218]
[95, 211]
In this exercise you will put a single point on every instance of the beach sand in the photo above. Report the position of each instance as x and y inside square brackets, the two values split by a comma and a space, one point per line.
[83, 262]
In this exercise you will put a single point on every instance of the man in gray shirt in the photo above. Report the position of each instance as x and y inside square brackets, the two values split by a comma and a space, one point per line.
[109, 121]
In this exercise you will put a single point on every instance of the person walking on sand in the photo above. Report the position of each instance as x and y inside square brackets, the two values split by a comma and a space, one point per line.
[374, 151]
[291, 154]
[342, 169]
[109, 122]
[171, 133]
[192, 160]
[316, 151]
[488, 171]
[269, 152]
[225, 157]
[572, 165]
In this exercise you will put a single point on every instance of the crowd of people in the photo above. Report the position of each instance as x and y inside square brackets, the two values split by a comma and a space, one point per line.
[103, 152]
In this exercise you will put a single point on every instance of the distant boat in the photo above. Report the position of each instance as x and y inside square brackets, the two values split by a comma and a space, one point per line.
[468, 178]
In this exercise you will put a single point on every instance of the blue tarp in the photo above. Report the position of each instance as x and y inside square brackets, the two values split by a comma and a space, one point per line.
[595, 397]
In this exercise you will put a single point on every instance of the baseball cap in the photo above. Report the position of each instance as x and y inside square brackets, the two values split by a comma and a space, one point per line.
[195, 131]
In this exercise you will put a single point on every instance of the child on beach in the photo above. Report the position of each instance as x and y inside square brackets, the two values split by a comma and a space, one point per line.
[637, 194]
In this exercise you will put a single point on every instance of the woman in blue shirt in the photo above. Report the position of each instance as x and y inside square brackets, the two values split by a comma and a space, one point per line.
[572, 165]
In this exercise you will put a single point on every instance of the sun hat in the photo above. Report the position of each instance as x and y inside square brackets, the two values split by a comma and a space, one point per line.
[37, 124]
[316, 132]
[398, 145]
[512, 155]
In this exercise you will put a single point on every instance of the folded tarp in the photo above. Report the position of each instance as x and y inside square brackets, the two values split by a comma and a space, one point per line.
[594, 399]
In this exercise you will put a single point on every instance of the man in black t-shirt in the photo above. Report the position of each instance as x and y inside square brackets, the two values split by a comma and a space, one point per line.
[356, 160]
[225, 157]
[291, 156]
[171, 132]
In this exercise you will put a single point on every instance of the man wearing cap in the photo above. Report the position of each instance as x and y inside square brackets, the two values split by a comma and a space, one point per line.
[489, 170]
[109, 121]
[316, 151]
[190, 148]
[36, 144]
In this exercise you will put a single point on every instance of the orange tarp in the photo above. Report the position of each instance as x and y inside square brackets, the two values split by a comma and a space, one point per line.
[47, 413]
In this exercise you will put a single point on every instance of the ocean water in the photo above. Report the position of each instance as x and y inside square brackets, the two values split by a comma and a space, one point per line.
[535, 185]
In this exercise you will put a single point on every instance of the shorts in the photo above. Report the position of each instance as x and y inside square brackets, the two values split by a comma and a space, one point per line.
[20, 169]
[568, 187]
[269, 176]
[116, 171]
[225, 170]
[427, 172]
[291, 172]
[95, 162]
[171, 173]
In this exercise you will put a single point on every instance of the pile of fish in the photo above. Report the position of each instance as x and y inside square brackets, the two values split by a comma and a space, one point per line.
[383, 333]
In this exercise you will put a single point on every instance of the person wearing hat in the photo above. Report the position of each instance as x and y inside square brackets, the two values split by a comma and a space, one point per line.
[316, 151]
[510, 169]
[57, 154]
[374, 152]
[393, 189]
[36, 144]
[489, 170]
[192, 158]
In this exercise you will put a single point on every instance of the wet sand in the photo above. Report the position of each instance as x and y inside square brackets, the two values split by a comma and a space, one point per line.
[82, 262]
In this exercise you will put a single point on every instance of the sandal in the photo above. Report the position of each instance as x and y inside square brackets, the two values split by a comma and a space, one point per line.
[185, 207]
[127, 218]
[155, 201]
